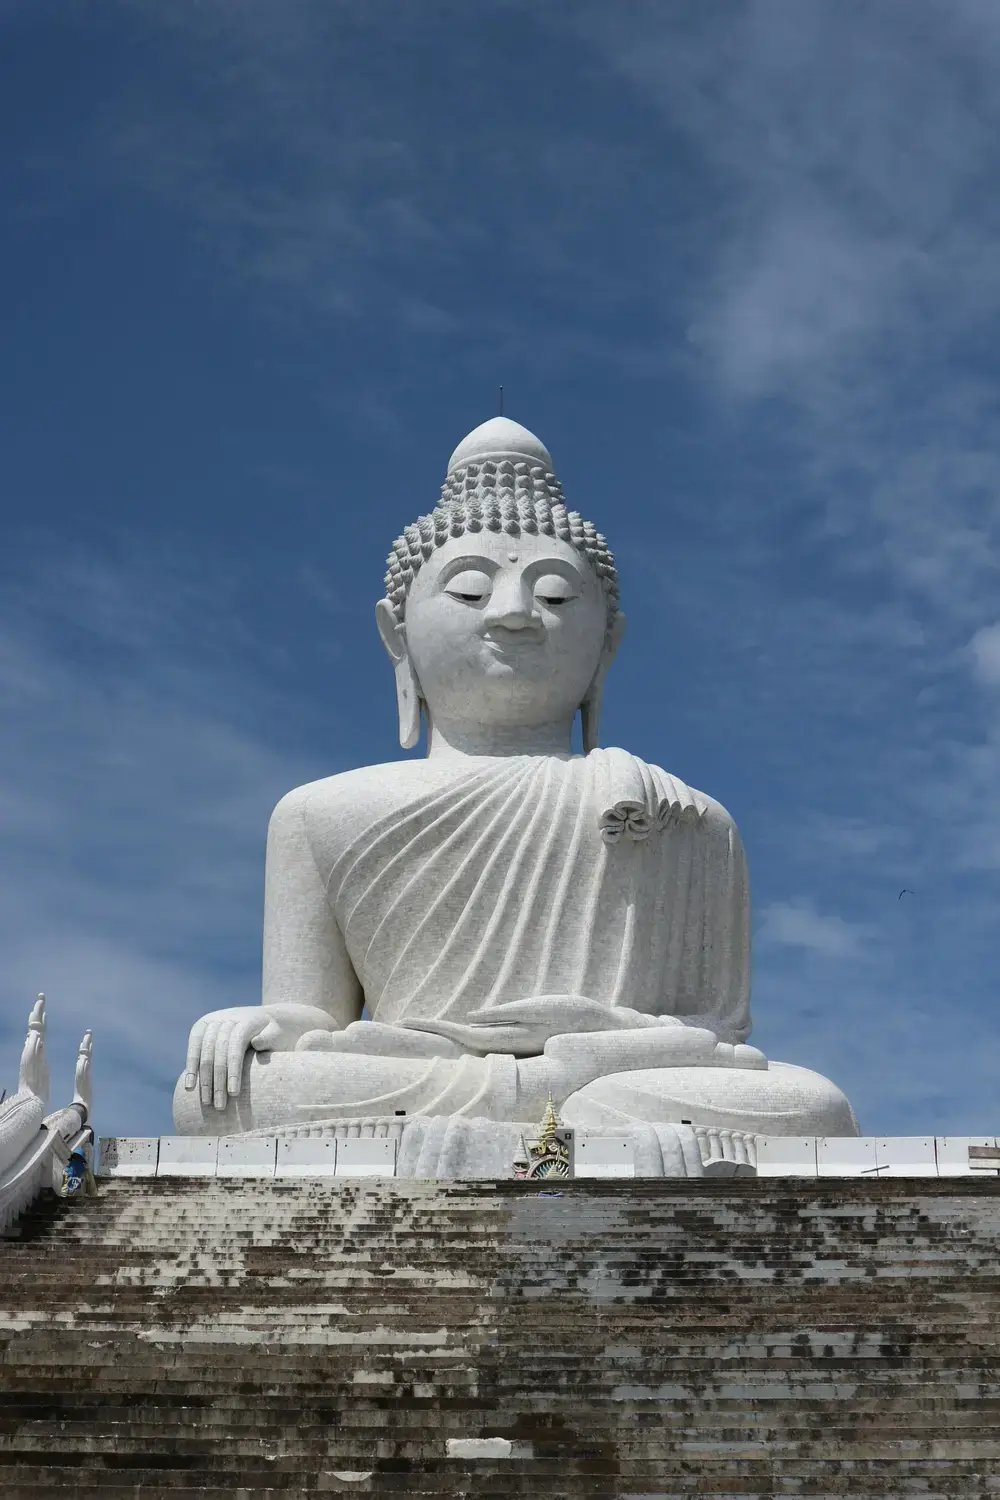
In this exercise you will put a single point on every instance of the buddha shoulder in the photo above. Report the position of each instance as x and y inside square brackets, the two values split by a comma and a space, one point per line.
[714, 816]
[687, 804]
[719, 824]
[337, 810]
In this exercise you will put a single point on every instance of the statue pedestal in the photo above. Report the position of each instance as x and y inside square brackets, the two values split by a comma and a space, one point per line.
[462, 1148]
[330, 1092]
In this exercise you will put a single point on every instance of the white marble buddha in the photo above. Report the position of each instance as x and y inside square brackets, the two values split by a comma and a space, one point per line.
[520, 920]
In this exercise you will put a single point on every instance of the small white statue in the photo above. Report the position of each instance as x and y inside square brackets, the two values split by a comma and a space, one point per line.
[33, 1073]
[22, 1113]
[83, 1084]
[522, 921]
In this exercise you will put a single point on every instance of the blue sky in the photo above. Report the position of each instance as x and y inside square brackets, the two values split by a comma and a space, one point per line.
[264, 264]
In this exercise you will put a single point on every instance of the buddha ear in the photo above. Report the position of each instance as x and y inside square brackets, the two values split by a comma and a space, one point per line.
[392, 631]
[408, 702]
[590, 708]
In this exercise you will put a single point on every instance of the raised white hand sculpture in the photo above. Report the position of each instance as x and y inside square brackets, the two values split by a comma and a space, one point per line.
[33, 1073]
[83, 1089]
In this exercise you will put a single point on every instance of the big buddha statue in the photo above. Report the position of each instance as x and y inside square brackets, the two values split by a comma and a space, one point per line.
[521, 921]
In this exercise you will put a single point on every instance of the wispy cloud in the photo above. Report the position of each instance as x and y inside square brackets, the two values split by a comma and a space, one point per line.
[984, 651]
[292, 170]
[797, 924]
[135, 784]
[849, 236]
[747, 257]
[846, 140]
[386, 173]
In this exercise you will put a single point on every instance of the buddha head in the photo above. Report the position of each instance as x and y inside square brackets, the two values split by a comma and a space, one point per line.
[501, 606]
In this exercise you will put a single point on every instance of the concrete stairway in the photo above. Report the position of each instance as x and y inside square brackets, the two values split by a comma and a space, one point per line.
[633, 1339]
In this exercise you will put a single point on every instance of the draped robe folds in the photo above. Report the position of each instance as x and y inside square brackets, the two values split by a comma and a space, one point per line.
[434, 890]
[598, 875]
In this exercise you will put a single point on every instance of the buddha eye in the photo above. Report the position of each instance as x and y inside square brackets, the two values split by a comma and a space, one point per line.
[472, 587]
[554, 590]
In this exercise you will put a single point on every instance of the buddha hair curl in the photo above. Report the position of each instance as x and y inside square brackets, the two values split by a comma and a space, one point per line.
[507, 496]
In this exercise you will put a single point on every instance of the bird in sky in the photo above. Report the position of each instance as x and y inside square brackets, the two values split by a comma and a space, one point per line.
[904, 892]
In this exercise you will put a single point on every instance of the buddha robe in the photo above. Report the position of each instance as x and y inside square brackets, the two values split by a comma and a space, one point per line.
[432, 890]
[446, 886]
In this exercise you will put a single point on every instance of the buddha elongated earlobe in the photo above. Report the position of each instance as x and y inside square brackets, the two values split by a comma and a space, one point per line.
[590, 714]
[408, 704]
[590, 708]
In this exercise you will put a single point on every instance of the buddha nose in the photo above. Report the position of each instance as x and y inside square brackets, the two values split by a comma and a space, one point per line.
[510, 606]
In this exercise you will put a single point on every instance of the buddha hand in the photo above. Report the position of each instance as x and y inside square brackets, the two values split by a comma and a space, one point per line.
[572, 1060]
[523, 1027]
[218, 1043]
[579, 1059]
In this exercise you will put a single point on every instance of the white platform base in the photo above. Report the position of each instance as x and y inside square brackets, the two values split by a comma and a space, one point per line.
[482, 1149]
[448, 1148]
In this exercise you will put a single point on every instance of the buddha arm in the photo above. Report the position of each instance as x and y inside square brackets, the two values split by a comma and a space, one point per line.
[305, 957]
[733, 1023]
[719, 999]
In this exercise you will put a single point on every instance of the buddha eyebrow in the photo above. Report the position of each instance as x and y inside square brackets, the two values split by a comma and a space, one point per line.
[459, 564]
[561, 565]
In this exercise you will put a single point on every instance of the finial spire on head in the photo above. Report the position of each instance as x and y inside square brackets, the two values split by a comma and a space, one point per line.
[497, 439]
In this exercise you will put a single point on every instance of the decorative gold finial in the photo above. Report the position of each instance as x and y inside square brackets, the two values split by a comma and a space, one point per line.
[550, 1123]
[551, 1154]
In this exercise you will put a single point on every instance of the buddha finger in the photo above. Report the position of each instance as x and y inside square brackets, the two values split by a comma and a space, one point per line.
[555, 1012]
[206, 1064]
[521, 1040]
[194, 1053]
[240, 1038]
[220, 1060]
[599, 1053]
[749, 1057]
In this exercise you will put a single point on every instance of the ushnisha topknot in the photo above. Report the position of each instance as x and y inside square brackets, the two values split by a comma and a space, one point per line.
[504, 492]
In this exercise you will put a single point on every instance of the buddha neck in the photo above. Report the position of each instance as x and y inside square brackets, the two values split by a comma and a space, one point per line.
[457, 740]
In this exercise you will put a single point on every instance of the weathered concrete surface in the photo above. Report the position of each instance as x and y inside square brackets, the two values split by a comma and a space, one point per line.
[228, 1338]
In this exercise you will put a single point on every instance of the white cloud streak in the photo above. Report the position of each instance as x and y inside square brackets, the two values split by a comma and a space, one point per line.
[846, 140]
[849, 230]
[984, 651]
[135, 785]
[834, 268]
[797, 924]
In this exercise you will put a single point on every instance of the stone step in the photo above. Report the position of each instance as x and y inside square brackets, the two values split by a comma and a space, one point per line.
[759, 1385]
[640, 1383]
[346, 1446]
[172, 1336]
[720, 1470]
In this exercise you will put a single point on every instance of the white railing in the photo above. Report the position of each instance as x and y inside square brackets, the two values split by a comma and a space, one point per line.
[35, 1146]
[878, 1156]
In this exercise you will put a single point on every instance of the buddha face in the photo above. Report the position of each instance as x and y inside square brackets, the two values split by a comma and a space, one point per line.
[505, 630]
